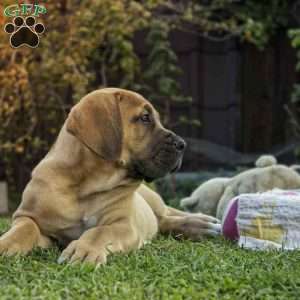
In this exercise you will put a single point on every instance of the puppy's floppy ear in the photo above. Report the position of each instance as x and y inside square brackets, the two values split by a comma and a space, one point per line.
[96, 122]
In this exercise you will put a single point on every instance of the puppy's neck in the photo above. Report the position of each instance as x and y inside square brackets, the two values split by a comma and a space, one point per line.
[88, 172]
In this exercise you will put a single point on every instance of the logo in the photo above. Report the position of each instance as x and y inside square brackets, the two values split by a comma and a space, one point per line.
[24, 30]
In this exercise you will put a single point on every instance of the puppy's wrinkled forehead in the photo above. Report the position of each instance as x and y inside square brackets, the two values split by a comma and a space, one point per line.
[132, 101]
[133, 96]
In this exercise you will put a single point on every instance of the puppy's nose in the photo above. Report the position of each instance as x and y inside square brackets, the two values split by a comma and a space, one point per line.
[179, 143]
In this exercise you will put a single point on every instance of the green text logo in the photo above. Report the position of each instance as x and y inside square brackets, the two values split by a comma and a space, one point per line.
[24, 9]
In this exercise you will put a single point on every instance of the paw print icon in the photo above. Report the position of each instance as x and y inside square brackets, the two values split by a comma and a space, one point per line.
[24, 32]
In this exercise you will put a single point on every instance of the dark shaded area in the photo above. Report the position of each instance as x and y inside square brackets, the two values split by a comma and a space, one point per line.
[2, 171]
[239, 92]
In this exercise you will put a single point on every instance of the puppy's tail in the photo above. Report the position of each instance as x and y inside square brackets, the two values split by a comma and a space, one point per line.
[266, 161]
[188, 203]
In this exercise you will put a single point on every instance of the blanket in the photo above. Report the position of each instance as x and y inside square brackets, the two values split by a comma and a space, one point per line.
[269, 220]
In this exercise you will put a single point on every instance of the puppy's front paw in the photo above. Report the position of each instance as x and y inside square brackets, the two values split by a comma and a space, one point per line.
[214, 230]
[207, 218]
[81, 251]
[10, 247]
[195, 227]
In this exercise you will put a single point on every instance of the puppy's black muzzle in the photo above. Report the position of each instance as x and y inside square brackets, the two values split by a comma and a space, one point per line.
[177, 146]
[166, 156]
[176, 142]
[179, 143]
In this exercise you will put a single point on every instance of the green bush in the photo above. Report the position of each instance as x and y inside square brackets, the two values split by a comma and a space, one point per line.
[87, 44]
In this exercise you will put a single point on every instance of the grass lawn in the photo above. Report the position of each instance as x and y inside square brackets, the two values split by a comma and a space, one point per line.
[165, 269]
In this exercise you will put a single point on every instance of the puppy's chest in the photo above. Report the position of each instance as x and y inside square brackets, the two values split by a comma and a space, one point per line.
[95, 202]
[95, 209]
[74, 232]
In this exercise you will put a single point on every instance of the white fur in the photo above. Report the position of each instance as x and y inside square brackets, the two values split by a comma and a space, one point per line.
[212, 196]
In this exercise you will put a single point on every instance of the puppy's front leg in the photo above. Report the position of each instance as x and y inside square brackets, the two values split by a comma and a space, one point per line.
[22, 237]
[186, 225]
[96, 243]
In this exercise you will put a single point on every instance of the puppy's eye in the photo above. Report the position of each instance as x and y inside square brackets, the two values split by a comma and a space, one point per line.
[145, 118]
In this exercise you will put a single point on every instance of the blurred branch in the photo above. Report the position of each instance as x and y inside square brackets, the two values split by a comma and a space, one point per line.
[293, 120]
[103, 74]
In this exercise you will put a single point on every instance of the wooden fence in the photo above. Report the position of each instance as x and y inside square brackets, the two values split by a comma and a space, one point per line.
[238, 91]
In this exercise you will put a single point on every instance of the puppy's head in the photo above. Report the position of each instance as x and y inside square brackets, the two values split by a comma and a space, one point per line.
[123, 127]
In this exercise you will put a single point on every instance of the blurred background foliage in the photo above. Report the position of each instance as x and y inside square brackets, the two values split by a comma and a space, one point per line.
[89, 45]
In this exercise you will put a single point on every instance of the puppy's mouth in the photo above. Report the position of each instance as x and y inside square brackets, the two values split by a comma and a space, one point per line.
[155, 167]
[177, 166]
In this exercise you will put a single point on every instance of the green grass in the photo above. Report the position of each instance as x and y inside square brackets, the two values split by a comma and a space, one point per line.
[164, 269]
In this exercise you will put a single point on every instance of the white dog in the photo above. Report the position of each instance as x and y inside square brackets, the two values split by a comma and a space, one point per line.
[212, 196]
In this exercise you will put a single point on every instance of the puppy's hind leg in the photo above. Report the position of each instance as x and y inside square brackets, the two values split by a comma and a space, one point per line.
[22, 237]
